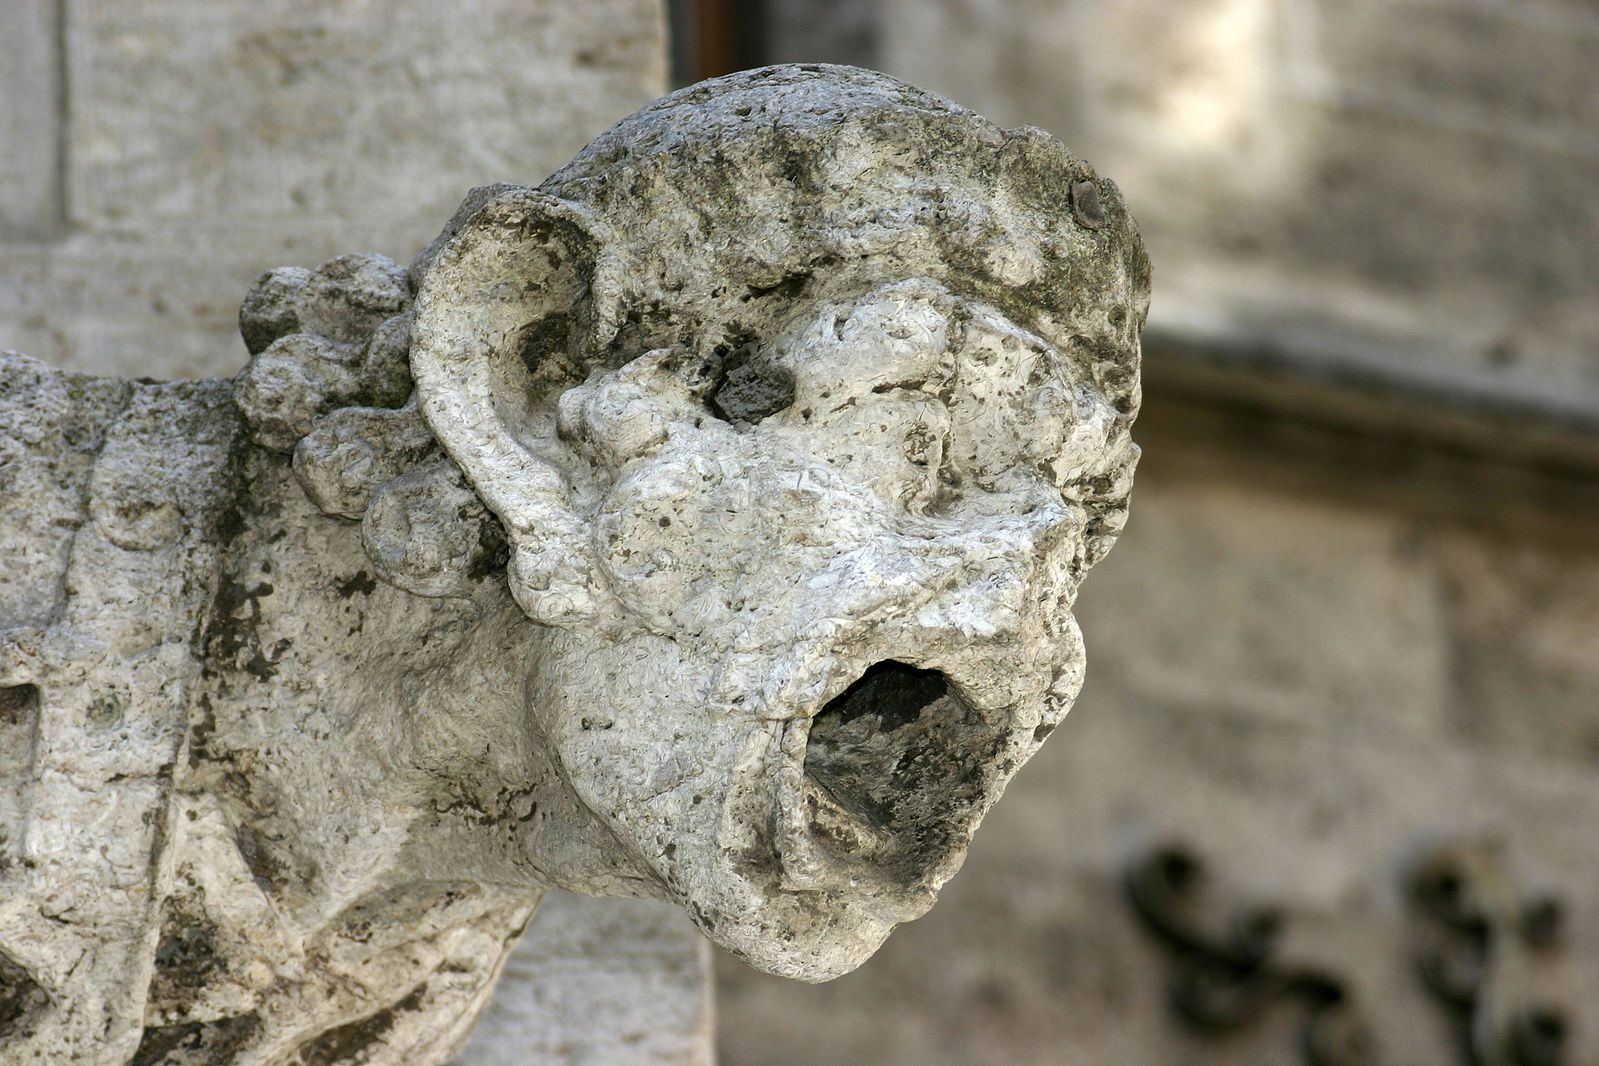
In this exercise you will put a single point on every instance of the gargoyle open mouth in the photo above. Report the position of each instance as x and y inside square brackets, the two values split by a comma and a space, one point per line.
[886, 783]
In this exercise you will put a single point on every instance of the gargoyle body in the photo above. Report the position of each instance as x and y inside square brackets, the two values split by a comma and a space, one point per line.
[702, 524]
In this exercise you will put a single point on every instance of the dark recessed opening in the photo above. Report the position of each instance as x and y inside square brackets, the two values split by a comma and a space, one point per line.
[895, 692]
[21, 997]
[901, 752]
[16, 701]
[751, 391]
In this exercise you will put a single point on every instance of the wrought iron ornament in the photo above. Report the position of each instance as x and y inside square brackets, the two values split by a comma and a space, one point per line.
[1225, 969]
[1482, 944]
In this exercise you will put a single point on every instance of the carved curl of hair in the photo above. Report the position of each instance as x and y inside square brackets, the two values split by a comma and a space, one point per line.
[329, 382]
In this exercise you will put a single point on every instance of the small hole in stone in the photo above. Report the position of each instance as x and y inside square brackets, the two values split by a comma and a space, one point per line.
[15, 700]
[1086, 205]
[752, 391]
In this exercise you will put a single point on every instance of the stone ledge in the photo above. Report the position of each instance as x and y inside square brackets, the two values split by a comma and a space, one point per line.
[1502, 418]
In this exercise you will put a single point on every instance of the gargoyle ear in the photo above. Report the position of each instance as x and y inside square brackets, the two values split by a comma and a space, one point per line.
[511, 304]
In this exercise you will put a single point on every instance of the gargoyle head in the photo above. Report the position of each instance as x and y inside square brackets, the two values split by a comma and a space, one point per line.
[804, 399]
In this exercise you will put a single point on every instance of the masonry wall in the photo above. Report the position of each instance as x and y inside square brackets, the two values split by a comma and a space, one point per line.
[159, 155]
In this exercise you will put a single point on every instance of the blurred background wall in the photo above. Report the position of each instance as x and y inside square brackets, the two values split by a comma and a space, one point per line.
[1356, 608]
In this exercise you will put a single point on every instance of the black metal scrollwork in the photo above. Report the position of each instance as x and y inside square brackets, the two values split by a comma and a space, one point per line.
[1225, 973]
[1481, 943]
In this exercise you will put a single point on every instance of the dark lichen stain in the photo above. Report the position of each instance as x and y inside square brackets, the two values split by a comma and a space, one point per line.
[263, 665]
[196, 1042]
[792, 285]
[236, 607]
[202, 731]
[235, 614]
[1043, 731]
[17, 703]
[230, 523]
[549, 334]
[20, 996]
[160, 1041]
[269, 870]
[186, 958]
[342, 1044]
[362, 583]
[908, 385]
[467, 809]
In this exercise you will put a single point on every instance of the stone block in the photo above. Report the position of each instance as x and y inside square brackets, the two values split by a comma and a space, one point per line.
[1524, 627]
[1461, 64]
[31, 95]
[1384, 218]
[204, 144]
[306, 111]
[636, 972]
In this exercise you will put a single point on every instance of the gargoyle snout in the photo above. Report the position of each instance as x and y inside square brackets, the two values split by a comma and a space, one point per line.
[1007, 574]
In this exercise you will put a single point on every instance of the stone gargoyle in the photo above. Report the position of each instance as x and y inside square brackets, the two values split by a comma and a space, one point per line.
[702, 524]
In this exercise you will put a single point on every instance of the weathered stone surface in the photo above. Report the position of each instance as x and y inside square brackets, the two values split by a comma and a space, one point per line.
[1525, 647]
[528, 83]
[291, 784]
[30, 89]
[1258, 599]
[851, 217]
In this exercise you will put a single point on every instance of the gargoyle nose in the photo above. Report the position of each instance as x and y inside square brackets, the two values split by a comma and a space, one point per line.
[1006, 574]
[991, 603]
